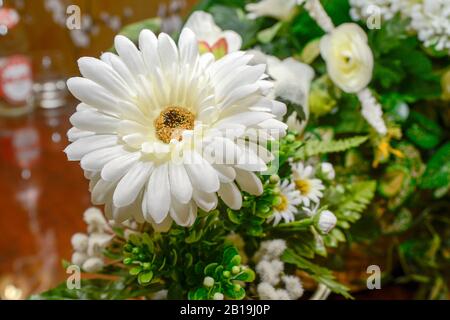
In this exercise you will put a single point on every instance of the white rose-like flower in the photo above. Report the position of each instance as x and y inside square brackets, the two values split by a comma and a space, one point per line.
[210, 36]
[279, 9]
[348, 57]
[148, 115]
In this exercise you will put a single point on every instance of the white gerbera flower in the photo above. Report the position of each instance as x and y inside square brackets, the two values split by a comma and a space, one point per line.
[279, 9]
[309, 187]
[287, 209]
[211, 38]
[150, 119]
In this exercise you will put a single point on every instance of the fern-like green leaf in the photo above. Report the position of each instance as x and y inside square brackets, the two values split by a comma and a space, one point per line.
[356, 199]
[316, 147]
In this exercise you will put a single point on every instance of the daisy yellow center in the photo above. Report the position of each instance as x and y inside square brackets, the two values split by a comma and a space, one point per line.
[171, 123]
[283, 204]
[304, 186]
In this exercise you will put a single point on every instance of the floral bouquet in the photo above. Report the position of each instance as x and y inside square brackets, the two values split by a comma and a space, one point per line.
[277, 149]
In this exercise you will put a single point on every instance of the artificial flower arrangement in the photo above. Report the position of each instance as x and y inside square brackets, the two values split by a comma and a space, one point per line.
[333, 144]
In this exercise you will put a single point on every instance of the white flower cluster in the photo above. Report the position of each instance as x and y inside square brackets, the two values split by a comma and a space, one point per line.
[271, 271]
[363, 9]
[431, 21]
[88, 247]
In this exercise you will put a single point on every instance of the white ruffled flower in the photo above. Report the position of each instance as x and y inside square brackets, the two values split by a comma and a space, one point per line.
[149, 116]
[431, 20]
[287, 209]
[348, 56]
[210, 36]
[372, 111]
[278, 9]
[310, 188]
[325, 221]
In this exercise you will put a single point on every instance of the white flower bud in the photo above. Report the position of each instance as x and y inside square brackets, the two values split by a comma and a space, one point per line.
[325, 221]
[208, 282]
[218, 296]
[93, 265]
[328, 171]
[80, 242]
[79, 258]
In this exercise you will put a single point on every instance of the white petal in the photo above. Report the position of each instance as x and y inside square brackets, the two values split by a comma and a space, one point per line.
[188, 47]
[205, 201]
[249, 182]
[96, 160]
[129, 54]
[117, 168]
[231, 195]
[201, 173]
[131, 184]
[157, 196]
[83, 146]
[226, 173]
[180, 185]
[183, 214]
[91, 120]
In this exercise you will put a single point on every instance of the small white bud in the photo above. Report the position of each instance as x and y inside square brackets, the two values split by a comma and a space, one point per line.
[93, 265]
[97, 242]
[328, 171]
[208, 282]
[80, 242]
[95, 220]
[218, 296]
[326, 221]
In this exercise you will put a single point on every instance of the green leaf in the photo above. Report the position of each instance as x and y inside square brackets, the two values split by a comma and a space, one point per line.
[267, 35]
[248, 275]
[210, 268]
[437, 173]
[135, 271]
[423, 132]
[132, 31]
[229, 254]
[317, 147]
[145, 277]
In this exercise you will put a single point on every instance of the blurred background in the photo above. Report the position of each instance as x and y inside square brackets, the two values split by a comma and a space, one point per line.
[42, 195]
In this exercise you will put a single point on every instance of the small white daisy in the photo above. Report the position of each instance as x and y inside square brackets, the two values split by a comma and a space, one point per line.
[309, 187]
[287, 209]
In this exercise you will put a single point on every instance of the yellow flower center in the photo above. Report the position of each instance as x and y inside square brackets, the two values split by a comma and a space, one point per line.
[171, 123]
[304, 186]
[283, 205]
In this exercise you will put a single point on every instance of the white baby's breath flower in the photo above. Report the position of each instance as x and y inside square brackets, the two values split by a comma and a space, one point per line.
[363, 9]
[78, 258]
[210, 36]
[372, 111]
[98, 242]
[93, 265]
[149, 115]
[270, 249]
[310, 188]
[348, 57]
[80, 242]
[431, 20]
[287, 209]
[269, 271]
[266, 291]
[95, 220]
[293, 287]
[279, 9]
[325, 221]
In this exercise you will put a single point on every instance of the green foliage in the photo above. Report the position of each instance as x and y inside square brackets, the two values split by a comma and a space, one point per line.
[437, 174]
[317, 147]
[318, 273]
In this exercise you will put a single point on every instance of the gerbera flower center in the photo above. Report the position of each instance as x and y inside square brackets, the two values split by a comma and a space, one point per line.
[304, 186]
[171, 123]
[284, 203]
